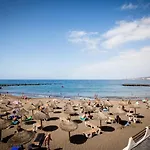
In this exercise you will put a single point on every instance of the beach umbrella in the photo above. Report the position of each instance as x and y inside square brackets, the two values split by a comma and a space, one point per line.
[38, 115]
[22, 112]
[21, 137]
[123, 103]
[107, 103]
[119, 111]
[3, 125]
[5, 109]
[32, 108]
[134, 106]
[70, 111]
[101, 116]
[5, 101]
[68, 126]
[89, 109]
[40, 103]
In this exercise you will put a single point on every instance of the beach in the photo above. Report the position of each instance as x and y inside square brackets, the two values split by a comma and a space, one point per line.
[113, 138]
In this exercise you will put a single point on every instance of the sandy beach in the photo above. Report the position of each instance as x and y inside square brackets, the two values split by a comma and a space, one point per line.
[113, 137]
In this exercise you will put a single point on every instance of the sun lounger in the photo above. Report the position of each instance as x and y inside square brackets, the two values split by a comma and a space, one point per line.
[134, 119]
[90, 133]
[89, 124]
[39, 139]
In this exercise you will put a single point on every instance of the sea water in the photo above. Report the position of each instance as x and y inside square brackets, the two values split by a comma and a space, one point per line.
[77, 88]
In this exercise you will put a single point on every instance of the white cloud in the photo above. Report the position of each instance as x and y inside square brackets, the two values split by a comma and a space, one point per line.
[127, 64]
[124, 32]
[88, 40]
[128, 6]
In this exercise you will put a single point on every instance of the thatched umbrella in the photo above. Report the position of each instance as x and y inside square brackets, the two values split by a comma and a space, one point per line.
[3, 125]
[5, 101]
[38, 115]
[107, 103]
[119, 111]
[101, 117]
[40, 103]
[123, 103]
[68, 126]
[5, 109]
[22, 112]
[21, 137]
[89, 109]
[32, 108]
[134, 106]
[70, 111]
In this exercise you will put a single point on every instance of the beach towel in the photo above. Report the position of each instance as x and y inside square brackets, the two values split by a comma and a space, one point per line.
[14, 122]
[29, 118]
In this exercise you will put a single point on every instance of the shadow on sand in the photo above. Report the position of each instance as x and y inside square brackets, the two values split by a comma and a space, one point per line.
[4, 140]
[57, 112]
[78, 139]
[123, 122]
[52, 118]
[58, 148]
[107, 128]
[30, 122]
[50, 128]
[74, 114]
[140, 116]
[77, 121]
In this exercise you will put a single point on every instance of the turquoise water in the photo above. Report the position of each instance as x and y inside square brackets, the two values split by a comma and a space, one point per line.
[78, 88]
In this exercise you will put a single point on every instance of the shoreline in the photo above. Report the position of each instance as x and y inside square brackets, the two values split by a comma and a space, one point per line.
[111, 98]
[31, 95]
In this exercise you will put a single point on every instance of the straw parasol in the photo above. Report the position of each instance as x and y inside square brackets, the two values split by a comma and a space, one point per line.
[89, 109]
[107, 103]
[21, 137]
[38, 115]
[101, 116]
[3, 125]
[134, 106]
[70, 111]
[32, 108]
[40, 103]
[5, 101]
[22, 112]
[5, 109]
[68, 126]
[119, 111]
[123, 103]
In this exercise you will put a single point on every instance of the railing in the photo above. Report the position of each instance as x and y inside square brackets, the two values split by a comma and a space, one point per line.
[138, 138]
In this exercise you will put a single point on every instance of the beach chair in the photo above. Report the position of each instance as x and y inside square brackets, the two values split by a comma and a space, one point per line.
[92, 132]
[39, 139]
[89, 124]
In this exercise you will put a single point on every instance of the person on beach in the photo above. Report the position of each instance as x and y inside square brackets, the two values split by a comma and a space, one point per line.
[47, 140]
[118, 119]
[89, 115]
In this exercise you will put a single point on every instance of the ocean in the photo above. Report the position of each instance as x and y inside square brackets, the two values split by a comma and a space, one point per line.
[78, 88]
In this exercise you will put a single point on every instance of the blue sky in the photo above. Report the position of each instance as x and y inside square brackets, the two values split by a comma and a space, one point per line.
[63, 39]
